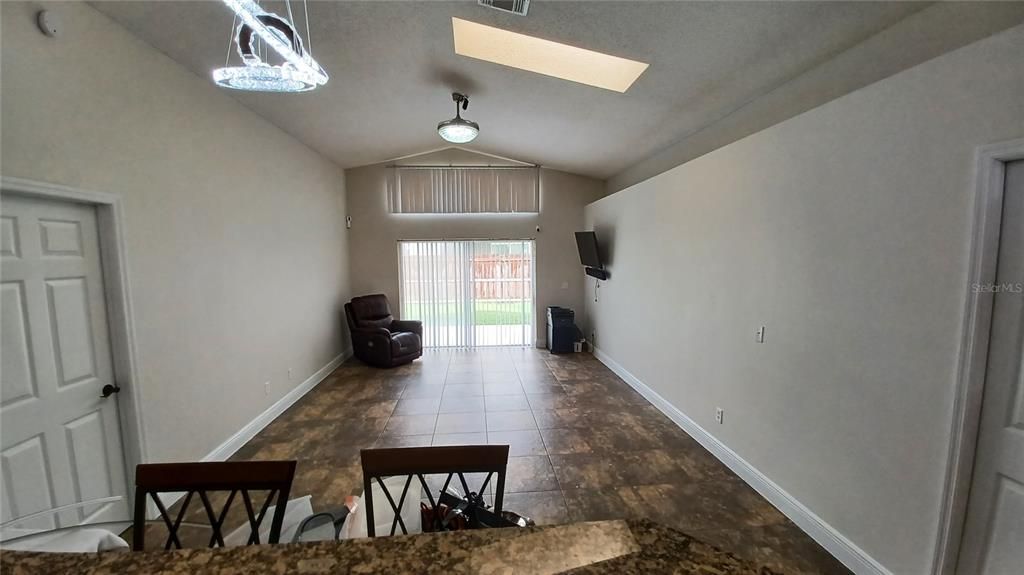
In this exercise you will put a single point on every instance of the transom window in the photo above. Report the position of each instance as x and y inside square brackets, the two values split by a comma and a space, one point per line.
[463, 190]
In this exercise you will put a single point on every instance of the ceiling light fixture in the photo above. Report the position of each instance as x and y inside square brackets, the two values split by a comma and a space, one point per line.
[544, 56]
[457, 130]
[259, 33]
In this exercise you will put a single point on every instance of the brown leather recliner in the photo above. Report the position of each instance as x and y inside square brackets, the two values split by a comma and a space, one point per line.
[377, 337]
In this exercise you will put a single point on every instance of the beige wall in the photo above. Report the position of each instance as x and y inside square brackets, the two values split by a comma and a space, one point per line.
[845, 231]
[375, 232]
[933, 30]
[236, 246]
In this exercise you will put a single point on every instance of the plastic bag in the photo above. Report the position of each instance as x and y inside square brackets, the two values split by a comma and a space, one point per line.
[383, 515]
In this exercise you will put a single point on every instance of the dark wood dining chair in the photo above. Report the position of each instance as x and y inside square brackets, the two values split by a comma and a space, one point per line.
[416, 462]
[204, 479]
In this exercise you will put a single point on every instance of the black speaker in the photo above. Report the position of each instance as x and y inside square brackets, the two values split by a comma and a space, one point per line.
[562, 330]
[598, 273]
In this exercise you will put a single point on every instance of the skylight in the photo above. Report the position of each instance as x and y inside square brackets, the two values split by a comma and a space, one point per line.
[544, 56]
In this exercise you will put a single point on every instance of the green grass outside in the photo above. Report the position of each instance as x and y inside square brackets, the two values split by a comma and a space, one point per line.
[486, 312]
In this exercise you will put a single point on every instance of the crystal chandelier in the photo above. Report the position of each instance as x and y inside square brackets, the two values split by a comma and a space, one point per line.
[457, 130]
[257, 35]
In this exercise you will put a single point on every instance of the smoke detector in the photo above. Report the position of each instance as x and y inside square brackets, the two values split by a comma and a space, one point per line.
[519, 7]
[48, 22]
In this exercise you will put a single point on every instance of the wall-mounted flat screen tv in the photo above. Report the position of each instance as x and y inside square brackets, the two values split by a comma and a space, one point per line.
[586, 242]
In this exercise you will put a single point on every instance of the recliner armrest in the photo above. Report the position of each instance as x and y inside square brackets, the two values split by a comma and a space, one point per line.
[410, 325]
[375, 335]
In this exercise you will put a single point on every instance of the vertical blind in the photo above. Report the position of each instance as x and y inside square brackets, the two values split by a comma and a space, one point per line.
[467, 190]
[469, 293]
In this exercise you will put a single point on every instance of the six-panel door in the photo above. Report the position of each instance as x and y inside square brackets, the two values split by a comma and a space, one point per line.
[61, 442]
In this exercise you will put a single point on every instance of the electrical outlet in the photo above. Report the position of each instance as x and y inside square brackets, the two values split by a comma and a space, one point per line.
[266, 388]
[719, 415]
[759, 335]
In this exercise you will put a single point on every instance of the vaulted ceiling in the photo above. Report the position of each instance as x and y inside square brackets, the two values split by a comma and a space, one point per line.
[392, 68]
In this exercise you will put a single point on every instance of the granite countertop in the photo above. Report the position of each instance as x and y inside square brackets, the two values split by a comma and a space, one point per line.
[620, 547]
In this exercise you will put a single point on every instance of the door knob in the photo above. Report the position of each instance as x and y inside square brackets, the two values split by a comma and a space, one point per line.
[108, 390]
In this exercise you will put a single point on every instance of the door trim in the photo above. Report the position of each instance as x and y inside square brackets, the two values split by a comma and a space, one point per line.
[113, 260]
[989, 174]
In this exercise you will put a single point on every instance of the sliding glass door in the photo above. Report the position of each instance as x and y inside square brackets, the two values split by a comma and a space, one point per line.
[469, 293]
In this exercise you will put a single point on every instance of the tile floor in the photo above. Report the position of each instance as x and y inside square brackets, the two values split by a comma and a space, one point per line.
[583, 446]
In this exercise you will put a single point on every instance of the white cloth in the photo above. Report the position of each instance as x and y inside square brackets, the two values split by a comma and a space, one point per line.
[355, 524]
[294, 512]
[84, 540]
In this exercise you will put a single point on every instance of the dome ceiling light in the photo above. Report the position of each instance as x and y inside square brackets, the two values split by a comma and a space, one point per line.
[259, 34]
[457, 130]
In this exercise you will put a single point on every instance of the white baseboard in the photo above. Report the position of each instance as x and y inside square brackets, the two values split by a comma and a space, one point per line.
[236, 441]
[855, 558]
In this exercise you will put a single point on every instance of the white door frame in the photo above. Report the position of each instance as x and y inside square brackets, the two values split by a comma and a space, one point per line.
[113, 256]
[989, 176]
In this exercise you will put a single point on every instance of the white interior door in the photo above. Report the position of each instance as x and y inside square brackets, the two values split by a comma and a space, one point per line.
[61, 442]
[993, 542]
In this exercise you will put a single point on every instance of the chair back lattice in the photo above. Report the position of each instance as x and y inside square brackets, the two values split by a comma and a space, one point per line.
[418, 462]
[202, 480]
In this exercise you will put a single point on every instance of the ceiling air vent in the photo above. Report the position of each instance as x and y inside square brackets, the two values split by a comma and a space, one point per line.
[514, 6]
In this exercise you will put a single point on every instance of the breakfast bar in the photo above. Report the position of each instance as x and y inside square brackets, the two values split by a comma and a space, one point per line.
[620, 547]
